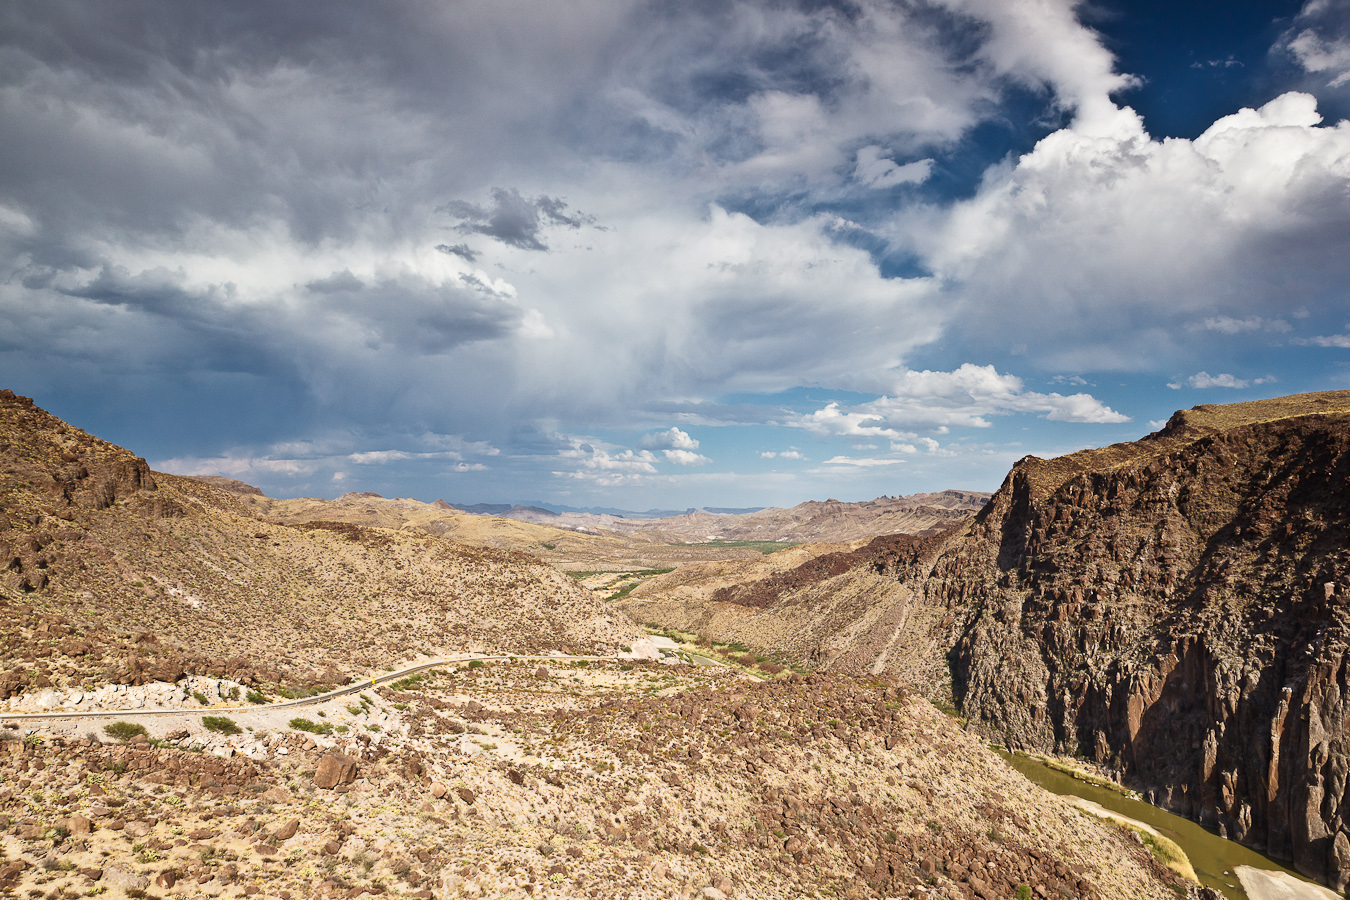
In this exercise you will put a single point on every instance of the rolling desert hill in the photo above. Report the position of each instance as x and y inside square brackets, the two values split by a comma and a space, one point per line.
[109, 572]
[567, 549]
[1174, 609]
[588, 542]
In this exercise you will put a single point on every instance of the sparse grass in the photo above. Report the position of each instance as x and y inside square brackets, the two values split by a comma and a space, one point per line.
[1169, 854]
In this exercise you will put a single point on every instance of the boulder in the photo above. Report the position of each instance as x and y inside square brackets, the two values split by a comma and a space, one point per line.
[126, 881]
[335, 769]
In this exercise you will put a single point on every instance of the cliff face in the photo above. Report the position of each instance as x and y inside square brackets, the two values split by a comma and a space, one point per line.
[1178, 610]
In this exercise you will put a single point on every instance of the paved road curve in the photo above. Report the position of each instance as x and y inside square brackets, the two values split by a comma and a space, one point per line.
[352, 688]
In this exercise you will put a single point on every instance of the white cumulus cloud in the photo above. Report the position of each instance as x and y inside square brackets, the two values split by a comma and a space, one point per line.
[686, 457]
[672, 439]
[876, 171]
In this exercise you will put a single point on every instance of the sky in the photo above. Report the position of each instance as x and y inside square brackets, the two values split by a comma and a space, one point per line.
[665, 254]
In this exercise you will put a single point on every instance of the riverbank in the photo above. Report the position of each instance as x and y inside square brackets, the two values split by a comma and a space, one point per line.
[1216, 861]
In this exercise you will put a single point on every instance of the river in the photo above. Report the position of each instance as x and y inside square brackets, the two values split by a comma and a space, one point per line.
[1213, 857]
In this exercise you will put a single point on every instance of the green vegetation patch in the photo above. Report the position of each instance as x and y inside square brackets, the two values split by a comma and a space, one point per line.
[765, 547]
[300, 724]
[124, 731]
[221, 725]
[410, 683]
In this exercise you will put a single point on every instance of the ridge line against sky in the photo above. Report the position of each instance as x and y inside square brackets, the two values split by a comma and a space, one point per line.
[659, 254]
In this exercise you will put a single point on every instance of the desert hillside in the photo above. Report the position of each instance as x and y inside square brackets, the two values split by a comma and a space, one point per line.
[109, 572]
[579, 779]
[1174, 609]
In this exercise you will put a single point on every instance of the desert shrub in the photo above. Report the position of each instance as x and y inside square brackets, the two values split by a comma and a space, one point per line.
[409, 683]
[255, 697]
[123, 731]
[221, 725]
[747, 660]
[300, 724]
[200, 698]
[475, 664]
[771, 668]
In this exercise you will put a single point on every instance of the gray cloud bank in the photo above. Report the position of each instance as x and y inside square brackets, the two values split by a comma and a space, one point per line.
[492, 220]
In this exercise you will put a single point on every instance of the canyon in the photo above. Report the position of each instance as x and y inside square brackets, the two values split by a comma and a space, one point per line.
[1174, 610]
[599, 772]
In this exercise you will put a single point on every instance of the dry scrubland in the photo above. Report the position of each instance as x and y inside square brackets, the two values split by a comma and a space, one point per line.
[602, 779]
[579, 780]
[112, 573]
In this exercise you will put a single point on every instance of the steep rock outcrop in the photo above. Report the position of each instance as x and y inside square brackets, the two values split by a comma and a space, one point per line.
[1176, 609]
[1180, 614]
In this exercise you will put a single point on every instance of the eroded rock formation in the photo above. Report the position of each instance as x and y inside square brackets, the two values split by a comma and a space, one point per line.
[1181, 615]
[1176, 609]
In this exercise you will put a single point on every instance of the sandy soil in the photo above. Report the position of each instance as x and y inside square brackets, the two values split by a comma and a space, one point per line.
[1262, 885]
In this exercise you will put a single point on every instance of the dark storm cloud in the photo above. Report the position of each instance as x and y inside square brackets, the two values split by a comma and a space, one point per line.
[156, 291]
[338, 281]
[463, 251]
[513, 219]
[412, 314]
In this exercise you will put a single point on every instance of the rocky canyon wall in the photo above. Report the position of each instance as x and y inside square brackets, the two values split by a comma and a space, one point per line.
[1177, 610]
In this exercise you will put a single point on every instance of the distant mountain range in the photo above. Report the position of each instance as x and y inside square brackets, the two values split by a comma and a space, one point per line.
[500, 509]
[812, 521]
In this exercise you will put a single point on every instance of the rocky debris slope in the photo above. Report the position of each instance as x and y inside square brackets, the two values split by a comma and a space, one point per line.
[577, 780]
[847, 609]
[112, 574]
[1176, 609]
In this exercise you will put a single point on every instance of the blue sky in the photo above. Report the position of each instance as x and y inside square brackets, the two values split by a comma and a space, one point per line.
[665, 254]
